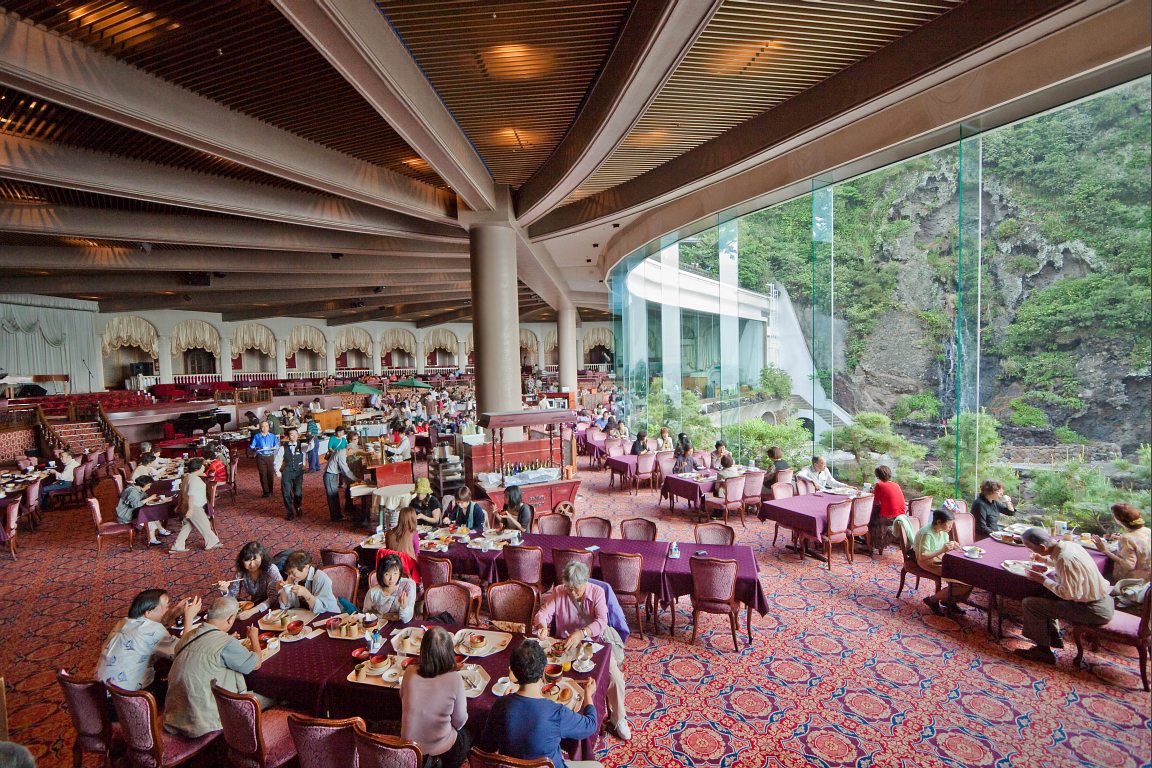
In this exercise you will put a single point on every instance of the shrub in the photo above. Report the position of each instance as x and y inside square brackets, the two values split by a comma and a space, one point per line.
[775, 383]
[1068, 436]
[978, 448]
[922, 407]
[756, 436]
[1025, 415]
[871, 434]
[1083, 496]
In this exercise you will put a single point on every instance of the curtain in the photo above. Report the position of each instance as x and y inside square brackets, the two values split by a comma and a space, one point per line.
[306, 337]
[195, 334]
[398, 338]
[254, 336]
[468, 345]
[527, 339]
[45, 336]
[550, 342]
[599, 337]
[440, 338]
[351, 337]
[128, 331]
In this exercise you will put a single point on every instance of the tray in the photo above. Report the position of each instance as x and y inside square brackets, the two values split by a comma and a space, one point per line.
[476, 680]
[576, 703]
[408, 640]
[266, 622]
[1001, 537]
[494, 642]
[268, 652]
[486, 545]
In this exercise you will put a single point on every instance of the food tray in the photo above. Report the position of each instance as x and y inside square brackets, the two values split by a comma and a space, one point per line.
[268, 621]
[494, 642]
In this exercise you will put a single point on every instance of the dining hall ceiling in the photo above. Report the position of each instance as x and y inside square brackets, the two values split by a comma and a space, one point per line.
[342, 147]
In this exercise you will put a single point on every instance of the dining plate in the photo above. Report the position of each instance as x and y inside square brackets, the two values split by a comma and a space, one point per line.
[476, 680]
[1020, 567]
[408, 640]
[566, 692]
[490, 642]
[270, 620]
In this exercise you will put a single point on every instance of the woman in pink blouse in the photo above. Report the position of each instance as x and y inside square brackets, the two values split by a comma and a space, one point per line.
[577, 610]
[434, 705]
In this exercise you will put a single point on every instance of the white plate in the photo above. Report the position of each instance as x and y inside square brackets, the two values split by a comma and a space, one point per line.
[584, 667]
[476, 680]
[494, 642]
[1019, 567]
[408, 640]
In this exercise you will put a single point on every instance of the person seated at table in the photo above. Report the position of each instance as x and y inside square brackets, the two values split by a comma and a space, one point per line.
[988, 506]
[720, 452]
[402, 450]
[135, 496]
[64, 475]
[1080, 593]
[930, 545]
[148, 467]
[612, 427]
[1133, 556]
[819, 474]
[517, 513]
[464, 511]
[257, 578]
[776, 456]
[145, 447]
[205, 655]
[305, 586]
[664, 441]
[601, 419]
[427, 506]
[727, 470]
[129, 651]
[217, 469]
[403, 539]
[527, 725]
[315, 406]
[394, 594]
[577, 610]
[434, 705]
[683, 459]
[640, 444]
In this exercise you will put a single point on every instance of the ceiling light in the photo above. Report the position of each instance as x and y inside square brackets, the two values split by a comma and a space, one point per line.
[515, 61]
[418, 164]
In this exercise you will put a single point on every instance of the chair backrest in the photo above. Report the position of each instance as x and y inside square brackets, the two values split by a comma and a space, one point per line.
[920, 510]
[594, 527]
[233, 468]
[964, 529]
[645, 464]
[345, 580]
[80, 475]
[703, 459]
[324, 743]
[651, 444]
[861, 512]
[804, 486]
[451, 598]
[512, 601]
[554, 525]
[378, 751]
[434, 570]
[713, 579]
[1145, 629]
[85, 700]
[109, 453]
[839, 516]
[614, 447]
[490, 518]
[139, 725]
[32, 496]
[714, 533]
[561, 558]
[783, 490]
[622, 571]
[754, 485]
[734, 490]
[524, 563]
[240, 719]
[94, 510]
[339, 557]
[478, 758]
[666, 461]
[118, 481]
[961, 506]
[638, 529]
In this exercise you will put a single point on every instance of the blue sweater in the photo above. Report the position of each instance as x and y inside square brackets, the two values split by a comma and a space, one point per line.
[532, 728]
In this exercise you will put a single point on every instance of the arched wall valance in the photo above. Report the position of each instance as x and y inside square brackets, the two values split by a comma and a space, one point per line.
[193, 334]
[599, 337]
[468, 344]
[306, 337]
[550, 342]
[528, 339]
[440, 338]
[254, 336]
[352, 337]
[128, 331]
[398, 338]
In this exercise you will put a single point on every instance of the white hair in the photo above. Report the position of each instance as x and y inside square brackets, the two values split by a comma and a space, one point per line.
[223, 607]
[575, 574]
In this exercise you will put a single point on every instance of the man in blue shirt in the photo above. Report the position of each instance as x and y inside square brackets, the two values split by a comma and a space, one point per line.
[265, 445]
[528, 725]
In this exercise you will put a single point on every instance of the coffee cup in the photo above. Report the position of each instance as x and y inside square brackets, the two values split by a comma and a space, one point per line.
[502, 686]
[361, 671]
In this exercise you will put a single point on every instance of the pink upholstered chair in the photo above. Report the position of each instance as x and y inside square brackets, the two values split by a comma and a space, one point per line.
[703, 459]
[31, 505]
[594, 527]
[255, 739]
[554, 525]
[651, 444]
[512, 601]
[450, 598]
[645, 472]
[614, 446]
[836, 532]
[118, 481]
[85, 700]
[109, 460]
[345, 581]
[920, 510]
[108, 529]
[435, 571]
[324, 743]
[860, 523]
[753, 490]
[9, 517]
[525, 564]
[561, 558]
[1125, 629]
[75, 492]
[638, 529]
[732, 501]
[478, 758]
[804, 486]
[714, 533]
[714, 591]
[665, 463]
[149, 745]
[339, 557]
[964, 529]
[782, 490]
[622, 571]
[377, 751]
[784, 475]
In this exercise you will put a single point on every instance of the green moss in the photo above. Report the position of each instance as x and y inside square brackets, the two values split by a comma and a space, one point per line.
[1025, 415]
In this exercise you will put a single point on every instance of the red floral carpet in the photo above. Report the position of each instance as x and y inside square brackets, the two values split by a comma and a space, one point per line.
[841, 672]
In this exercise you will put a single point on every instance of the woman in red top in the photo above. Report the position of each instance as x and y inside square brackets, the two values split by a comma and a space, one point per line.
[217, 470]
[888, 497]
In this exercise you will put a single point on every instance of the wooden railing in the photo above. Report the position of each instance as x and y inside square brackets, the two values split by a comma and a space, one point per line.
[195, 378]
[111, 434]
[47, 435]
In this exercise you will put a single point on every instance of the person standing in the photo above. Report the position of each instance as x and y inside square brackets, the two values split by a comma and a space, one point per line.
[289, 466]
[336, 468]
[193, 501]
[265, 444]
[313, 428]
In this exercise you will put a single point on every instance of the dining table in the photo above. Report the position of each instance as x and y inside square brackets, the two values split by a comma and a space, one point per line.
[311, 675]
[806, 515]
[690, 486]
[624, 466]
[676, 580]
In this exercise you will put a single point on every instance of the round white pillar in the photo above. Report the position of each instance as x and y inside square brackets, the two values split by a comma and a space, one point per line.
[164, 358]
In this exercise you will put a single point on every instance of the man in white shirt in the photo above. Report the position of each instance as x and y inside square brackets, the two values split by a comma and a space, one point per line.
[64, 476]
[126, 657]
[1081, 593]
[402, 451]
[819, 474]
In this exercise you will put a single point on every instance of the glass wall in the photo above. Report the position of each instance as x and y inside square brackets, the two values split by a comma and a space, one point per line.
[980, 305]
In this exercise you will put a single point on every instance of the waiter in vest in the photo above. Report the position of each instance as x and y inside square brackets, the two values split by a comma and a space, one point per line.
[264, 444]
[289, 466]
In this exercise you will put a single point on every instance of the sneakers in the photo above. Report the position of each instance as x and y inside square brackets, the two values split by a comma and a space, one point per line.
[622, 729]
[164, 532]
[154, 542]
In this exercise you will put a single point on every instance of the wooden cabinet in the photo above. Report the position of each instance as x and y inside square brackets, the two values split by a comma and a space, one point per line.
[542, 496]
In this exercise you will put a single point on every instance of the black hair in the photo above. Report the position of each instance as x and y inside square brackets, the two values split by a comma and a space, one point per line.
[145, 601]
[513, 498]
[387, 563]
[941, 516]
[143, 481]
[527, 662]
[195, 465]
[251, 549]
[147, 458]
[297, 561]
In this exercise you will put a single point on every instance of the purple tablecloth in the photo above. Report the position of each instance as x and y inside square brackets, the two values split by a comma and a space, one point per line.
[622, 465]
[806, 514]
[692, 491]
[986, 572]
[594, 447]
[677, 579]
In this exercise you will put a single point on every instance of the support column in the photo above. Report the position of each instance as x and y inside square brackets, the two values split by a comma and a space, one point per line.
[496, 320]
[566, 346]
[374, 363]
[225, 359]
[540, 352]
[461, 355]
[421, 360]
[281, 359]
[164, 358]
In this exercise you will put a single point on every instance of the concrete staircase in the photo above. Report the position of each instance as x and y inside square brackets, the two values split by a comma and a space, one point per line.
[801, 406]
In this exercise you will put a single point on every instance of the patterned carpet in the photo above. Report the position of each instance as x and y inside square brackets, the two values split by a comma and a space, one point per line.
[841, 673]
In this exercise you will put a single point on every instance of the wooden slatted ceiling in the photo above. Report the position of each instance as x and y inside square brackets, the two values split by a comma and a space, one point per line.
[513, 74]
[15, 192]
[241, 53]
[753, 55]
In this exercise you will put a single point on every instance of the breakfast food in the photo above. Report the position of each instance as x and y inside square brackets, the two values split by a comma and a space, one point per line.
[294, 627]
[379, 662]
[476, 641]
[565, 695]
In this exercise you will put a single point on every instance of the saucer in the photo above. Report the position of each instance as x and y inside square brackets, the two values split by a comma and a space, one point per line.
[583, 667]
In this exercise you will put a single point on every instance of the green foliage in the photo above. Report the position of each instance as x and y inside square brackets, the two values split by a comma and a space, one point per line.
[1008, 230]
[1044, 371]
[924, 406]
[1069, 436]
[659, 410]
[871, 434]
[1022, 264]
[1025, 415]
[756, 436]
[1052, 400]
[1144, 463]
[1082, 495]
[775, 383]
[978, 449]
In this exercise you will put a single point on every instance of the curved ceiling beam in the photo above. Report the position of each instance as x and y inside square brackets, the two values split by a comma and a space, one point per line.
[653, 41]
[59, 165]
[71, 74]
[382, 304]
[207, 231]
[360, 44]
[217, 302]
[180, 283]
